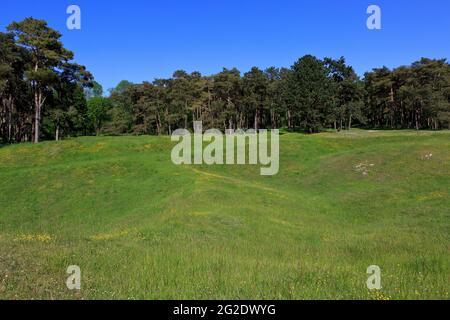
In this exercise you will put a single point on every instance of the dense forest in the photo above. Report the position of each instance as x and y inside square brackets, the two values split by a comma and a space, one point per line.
[45, 95]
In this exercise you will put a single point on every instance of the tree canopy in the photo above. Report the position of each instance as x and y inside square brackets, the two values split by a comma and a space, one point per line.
[38, 79]
[44, 94]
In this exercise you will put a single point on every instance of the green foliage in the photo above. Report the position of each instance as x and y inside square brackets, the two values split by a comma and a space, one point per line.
[97, 111]
[35, 70]
[415, 96]
[312, 95]
[96, 90]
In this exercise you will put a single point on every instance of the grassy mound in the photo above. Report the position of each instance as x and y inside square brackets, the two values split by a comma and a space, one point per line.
[142, 228]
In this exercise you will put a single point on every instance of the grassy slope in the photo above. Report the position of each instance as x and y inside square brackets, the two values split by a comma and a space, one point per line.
[141, 227]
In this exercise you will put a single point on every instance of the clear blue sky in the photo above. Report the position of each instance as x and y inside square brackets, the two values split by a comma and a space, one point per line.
[145, 39]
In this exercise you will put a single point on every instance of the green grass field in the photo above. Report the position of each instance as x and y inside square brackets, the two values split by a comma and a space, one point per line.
[142, 228]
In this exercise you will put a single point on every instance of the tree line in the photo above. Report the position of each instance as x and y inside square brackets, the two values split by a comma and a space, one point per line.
[45, 95]
[311, 95]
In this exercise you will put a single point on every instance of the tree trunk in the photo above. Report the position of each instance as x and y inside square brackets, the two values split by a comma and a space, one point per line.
[289, 119]
[37, 121]
[158, 123]
[37, 107]
[10, 112]
[417, 119]
[186, 114]
[57, 133]
[9, 127]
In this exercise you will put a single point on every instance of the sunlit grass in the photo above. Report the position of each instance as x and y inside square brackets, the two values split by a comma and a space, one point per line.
[142, 228]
